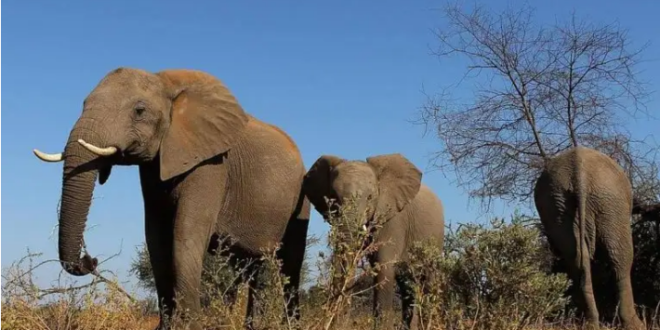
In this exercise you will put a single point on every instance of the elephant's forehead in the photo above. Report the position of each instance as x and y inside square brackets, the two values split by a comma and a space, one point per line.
[352, 178]
[118, 98]
[355, 169]
[118, 90]
[123, 79]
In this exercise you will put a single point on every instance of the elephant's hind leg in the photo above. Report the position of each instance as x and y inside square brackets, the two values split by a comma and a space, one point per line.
[582, 247]
[292, 255]
[619, 247]
[250, 270]
[291, 266]
[582, 271]
[558, 212]
[564, 239]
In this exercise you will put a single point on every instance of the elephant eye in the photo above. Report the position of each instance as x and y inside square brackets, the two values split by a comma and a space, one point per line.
[139, 110]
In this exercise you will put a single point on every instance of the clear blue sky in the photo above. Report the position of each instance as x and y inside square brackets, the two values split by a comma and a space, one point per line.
[340, 77]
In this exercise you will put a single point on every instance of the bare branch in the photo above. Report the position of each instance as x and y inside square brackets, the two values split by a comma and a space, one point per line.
[22, 279]
[537, 90]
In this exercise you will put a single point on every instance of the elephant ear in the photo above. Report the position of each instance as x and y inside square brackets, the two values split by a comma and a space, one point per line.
[316, 184]
[399, 181]
[206, 119]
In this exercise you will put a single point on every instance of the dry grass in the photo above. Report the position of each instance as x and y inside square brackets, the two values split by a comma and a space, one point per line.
[61, 314]
[103, 307]
[475, 287]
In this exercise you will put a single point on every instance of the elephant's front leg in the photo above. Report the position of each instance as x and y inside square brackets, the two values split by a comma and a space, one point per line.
[199, 198]
[383, 307]
[193, 225]
[409, 317]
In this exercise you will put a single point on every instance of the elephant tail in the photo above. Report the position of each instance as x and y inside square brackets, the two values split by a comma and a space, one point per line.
[581, 196]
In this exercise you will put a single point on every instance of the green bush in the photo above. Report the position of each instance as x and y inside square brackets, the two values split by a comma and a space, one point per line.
[646, 267]
[488, 276]
[497, 276]
[217, 275]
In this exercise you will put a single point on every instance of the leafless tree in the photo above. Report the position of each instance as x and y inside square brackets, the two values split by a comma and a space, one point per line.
[537, 90]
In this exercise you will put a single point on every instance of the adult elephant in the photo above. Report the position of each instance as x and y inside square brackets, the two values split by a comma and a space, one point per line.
[208, 170]
[584, 200]
[389, 190]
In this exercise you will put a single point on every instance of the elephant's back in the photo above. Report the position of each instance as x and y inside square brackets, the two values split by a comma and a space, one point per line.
[599, 170]
[606, 183]
[265, 139]
[603, 180]
[428, 200]
[265, 180]
[427, 212]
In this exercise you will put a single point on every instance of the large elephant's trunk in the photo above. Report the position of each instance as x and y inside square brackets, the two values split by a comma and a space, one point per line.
[79, 176]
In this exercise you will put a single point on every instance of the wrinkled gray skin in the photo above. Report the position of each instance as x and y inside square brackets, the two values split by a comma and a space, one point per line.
[584, 200]
[208, 170]
[389, 188]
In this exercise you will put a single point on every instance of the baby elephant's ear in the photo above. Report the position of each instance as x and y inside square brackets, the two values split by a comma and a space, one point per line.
[399, 181]
[316, 184]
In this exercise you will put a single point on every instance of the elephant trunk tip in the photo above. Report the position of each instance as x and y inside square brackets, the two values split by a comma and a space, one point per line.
[84, 266]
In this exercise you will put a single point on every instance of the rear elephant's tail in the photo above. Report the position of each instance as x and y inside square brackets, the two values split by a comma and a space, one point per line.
[581, 197]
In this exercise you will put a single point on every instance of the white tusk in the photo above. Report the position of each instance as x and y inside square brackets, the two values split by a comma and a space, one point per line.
[108, 151]
[51, 158]
[364, 227]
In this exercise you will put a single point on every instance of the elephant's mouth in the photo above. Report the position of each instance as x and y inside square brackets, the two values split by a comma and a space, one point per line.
[104, 173]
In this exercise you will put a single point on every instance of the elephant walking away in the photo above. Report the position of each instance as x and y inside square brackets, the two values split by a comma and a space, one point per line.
[389, 189]
[207, 169]
[584, 200]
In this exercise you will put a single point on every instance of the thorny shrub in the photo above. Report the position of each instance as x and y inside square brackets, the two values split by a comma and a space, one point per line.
[348, 266]
[491, 276]
[495, 276]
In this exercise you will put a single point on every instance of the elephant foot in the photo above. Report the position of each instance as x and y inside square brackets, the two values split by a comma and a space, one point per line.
[634, 324]
[162, 325]
[414, 323]
[177, 326]
[187, 327]
[388, 321]
[591, 325]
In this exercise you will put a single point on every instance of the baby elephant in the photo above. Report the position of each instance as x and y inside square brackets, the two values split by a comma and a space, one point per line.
[388, 188]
